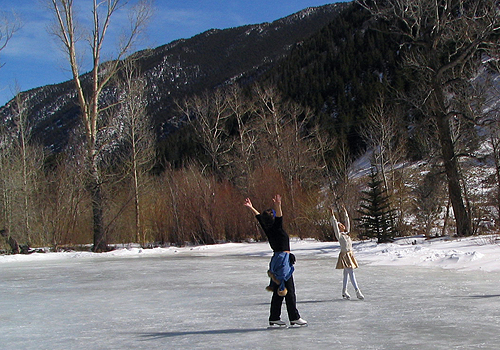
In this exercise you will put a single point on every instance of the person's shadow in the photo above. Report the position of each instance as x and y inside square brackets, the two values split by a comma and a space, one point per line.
[159, 335]
[484, 296]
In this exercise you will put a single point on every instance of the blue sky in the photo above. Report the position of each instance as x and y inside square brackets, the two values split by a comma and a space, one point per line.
[33, 57]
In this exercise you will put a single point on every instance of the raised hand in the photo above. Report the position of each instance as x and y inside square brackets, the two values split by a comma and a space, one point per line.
[248, 203]
[277, 199]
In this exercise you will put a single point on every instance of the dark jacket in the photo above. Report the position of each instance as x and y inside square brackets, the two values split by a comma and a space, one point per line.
[276, 235]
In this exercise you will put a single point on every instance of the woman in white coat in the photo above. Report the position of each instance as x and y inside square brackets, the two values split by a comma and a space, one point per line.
[347, 260]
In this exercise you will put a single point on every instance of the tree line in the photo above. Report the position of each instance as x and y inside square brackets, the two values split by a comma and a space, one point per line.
[257, 141]
[250, 144]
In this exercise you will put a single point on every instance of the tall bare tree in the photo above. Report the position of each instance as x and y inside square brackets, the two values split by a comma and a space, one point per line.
[381, 133]
[284, 144]
[139, 139]
[208, 114]
[21, 166]
[283, 136]
[443, 44]
[245, 142]
[30, 159]
[90, 87]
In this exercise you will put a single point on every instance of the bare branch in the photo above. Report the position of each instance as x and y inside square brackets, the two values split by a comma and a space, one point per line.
[9, 24]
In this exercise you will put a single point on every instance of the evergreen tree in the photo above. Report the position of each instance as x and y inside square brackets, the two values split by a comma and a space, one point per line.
[377, 218]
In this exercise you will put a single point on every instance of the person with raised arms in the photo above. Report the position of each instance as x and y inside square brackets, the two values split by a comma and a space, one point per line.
[281, 265]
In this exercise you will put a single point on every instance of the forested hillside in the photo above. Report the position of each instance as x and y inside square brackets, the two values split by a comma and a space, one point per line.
[340, 71]
[171, 71]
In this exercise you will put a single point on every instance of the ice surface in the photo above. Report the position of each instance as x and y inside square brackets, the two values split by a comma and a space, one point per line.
[214, 298]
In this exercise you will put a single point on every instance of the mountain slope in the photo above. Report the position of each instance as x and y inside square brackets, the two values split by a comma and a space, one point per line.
[182, 67]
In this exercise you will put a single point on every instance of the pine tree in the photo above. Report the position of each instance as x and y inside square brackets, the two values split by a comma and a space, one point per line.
[377, 218]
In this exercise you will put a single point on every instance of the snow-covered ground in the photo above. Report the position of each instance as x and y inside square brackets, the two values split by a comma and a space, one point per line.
[440, 294]
[472, 253]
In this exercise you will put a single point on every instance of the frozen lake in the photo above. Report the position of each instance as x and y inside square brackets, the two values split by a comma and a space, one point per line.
[219, 302]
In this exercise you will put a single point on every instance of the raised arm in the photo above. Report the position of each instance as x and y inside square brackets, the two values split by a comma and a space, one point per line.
[248, 204]
[335, 224]
[347, 221]
[277, 206]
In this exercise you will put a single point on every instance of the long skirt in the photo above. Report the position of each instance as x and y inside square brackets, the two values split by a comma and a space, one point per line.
[346, 260]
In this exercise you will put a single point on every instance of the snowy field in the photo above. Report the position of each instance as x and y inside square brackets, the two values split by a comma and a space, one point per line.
[430, 295]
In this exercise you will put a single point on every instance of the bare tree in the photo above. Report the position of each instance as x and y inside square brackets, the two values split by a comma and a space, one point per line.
[30, 164]
[90, 87]
[272, 120]
[63, 213]
[283, 138]
[22, 161]
[381, 133]
[6, 187]
[286, 146]
[337, 169]
[139, 139]
[208, 113]
[443, 42]
[244, 144]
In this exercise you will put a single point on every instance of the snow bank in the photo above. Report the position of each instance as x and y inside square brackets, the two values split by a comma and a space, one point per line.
[473, 253]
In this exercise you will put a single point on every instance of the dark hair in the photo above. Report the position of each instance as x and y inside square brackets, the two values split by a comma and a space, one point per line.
[268, 217]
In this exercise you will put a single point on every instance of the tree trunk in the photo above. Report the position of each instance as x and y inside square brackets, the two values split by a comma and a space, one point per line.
[95, 188]
[140, 236]
[496, 156]
[462, 217]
